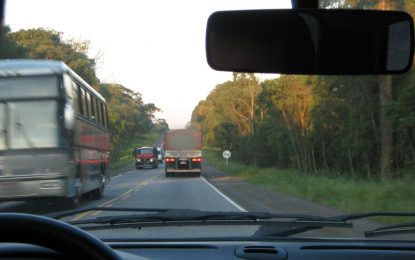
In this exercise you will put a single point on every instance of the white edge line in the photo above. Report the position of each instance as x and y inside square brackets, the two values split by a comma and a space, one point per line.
[224, 196]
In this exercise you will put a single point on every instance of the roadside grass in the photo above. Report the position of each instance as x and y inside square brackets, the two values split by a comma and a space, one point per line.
[353, 195]
[124, 154]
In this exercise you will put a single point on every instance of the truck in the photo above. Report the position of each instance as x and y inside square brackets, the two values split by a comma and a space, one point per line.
[182, 152]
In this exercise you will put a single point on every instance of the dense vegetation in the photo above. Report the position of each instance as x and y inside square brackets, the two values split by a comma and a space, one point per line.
[128, 115]
[351, 126]
[346, 194]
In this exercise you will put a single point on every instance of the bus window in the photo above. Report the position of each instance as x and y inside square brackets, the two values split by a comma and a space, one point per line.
[84, 106]
[92, 104]
[101, 113]
[96, 110]
[88, 104]
[75, 99]
[67, 83]
[80, 99]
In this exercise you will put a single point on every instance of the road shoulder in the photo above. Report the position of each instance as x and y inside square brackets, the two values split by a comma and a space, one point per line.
[253, 197]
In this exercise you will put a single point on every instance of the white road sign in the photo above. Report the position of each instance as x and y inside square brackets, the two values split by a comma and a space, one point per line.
[226, 154]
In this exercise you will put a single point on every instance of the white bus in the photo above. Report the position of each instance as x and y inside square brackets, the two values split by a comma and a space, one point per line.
[53, 135]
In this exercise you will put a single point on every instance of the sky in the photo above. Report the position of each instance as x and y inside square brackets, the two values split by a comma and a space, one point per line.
[154, 47]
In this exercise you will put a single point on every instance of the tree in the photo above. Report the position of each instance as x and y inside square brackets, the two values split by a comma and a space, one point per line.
[48, 44]
[9, 49]
[128, 114]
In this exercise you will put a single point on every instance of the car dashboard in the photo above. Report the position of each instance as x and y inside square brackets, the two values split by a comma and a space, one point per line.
[287, 249]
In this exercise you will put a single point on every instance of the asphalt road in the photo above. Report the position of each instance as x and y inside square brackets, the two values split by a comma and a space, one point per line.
[146, 188]
[215, 191]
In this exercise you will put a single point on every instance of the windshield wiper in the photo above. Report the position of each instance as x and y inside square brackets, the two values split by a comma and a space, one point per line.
[181, 214]
[77, 211]
[182, 217]
[402, 228]
[373, 214]
[197, 215]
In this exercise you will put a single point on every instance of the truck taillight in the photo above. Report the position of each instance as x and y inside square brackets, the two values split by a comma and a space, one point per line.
[169, 159]
[196, 159]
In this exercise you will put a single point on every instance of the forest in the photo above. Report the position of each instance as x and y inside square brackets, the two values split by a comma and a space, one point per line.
[357, 126]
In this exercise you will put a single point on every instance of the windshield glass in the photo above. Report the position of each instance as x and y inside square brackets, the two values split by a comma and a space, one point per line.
[32, 124]
[144, 151]
[136, 77]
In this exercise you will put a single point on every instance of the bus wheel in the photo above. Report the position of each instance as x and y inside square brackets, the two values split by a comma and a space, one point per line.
[72, 203]
[75, 202]
[97, 193]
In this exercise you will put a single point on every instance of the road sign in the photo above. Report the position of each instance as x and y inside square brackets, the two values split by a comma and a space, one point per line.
[226, 154]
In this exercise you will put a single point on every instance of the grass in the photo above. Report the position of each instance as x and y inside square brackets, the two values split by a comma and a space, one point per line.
[344, 193]
[125, 154]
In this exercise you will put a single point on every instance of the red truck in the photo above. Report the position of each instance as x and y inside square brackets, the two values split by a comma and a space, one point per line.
[182, 152]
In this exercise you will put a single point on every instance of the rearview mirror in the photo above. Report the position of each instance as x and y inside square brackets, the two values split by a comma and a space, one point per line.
[310, 41]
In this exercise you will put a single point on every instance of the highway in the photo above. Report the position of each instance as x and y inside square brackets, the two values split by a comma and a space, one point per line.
[145, 188]
[149, 188]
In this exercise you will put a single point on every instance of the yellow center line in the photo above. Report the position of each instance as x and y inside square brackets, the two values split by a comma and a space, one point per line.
[99, 211]
[94, 213]
[108, 203]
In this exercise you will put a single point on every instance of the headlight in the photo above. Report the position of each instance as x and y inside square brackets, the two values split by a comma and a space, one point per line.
[138, 160]
[151, 159]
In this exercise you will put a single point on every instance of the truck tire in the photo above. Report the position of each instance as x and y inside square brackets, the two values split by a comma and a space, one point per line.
[196, 174]
[168, 174]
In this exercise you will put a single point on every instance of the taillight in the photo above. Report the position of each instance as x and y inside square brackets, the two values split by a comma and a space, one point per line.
[196, 159]
[169, 159]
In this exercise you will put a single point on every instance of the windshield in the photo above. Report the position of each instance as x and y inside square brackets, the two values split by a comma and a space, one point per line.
[136, 77]
[32, 124]
[144, 151]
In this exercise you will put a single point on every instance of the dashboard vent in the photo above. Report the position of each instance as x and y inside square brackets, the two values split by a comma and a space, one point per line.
[258, 252]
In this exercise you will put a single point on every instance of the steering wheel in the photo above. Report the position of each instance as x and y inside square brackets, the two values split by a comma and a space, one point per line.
[68, 240]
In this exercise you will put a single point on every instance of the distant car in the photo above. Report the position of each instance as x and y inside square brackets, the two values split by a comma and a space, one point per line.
[160, 155]
[146, 157]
